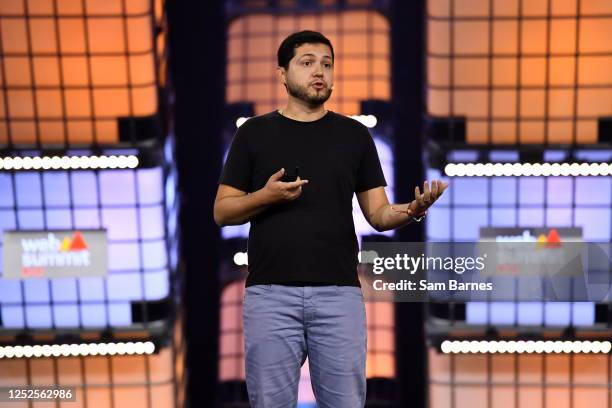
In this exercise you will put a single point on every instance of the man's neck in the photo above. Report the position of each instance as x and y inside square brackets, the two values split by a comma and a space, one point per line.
[303, 113]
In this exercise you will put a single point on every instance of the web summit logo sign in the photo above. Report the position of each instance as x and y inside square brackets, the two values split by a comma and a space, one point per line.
[543, 240]
[39, 253]
[533, 251]
[54, 253]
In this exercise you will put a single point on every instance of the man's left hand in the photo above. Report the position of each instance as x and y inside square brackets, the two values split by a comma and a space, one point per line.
[423, 201]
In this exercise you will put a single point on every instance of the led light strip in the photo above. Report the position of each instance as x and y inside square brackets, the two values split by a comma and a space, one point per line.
[69, 162]
[520, 346]
[367, 120]
[242, 258]
[84, 349]
[527, 169]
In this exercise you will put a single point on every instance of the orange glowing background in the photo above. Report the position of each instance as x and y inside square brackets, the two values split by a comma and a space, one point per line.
[106, 381]
[534, 71]
[526, 380]
[361, 47]
[70, 69]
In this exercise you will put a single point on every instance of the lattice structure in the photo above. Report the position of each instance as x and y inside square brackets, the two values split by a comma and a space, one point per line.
[521, 72]
[533, 74]
[87, 79]
[71, 70]
[361, 47]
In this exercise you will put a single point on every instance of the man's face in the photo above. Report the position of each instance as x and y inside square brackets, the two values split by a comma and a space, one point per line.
[310, 74]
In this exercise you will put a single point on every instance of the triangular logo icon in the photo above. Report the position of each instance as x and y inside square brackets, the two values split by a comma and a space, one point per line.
[66, 245]
[553, 240]
[78, 243]
[541, 241]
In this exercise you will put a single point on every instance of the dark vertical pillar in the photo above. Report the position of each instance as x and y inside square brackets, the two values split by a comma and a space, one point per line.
[197, 63]
[407, 61]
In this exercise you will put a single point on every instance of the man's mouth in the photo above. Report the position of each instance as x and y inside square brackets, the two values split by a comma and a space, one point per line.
[318, 85]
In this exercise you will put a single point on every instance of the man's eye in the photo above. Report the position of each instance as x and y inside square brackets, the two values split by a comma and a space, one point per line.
[306, 62]
[328, 65]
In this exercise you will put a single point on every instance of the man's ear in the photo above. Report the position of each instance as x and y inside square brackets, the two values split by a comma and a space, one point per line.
[281, 75]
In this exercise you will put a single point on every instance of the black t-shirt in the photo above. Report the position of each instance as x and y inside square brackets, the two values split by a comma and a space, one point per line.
[310, 240]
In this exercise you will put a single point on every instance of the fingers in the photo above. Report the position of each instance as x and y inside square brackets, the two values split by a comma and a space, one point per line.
[418, 197]
[430, 194]
[414, 206]
[435, 189]
[294, 184]
[285, 191]
[278, 175]
[444, 185]
[294, 189]
[423, 201]
[426, 192]
[294, 193]
[440, 187]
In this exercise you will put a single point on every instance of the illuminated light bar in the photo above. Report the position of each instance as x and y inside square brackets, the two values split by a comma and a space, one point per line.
[241, 259]
[520, 346]
[367, 120]
[241, 120]
[74, 350]
[526, 169]
[69, 162]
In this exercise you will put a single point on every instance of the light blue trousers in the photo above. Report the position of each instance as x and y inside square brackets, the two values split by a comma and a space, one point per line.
[285, 324]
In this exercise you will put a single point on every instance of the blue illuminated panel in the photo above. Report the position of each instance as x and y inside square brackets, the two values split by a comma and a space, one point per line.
[475, 202]
[129, 204]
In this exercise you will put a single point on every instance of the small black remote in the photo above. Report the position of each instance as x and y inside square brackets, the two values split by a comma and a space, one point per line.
[291, 177]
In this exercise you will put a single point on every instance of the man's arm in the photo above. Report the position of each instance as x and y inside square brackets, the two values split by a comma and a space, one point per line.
[377, 210]
[383, 216]
[235, 207]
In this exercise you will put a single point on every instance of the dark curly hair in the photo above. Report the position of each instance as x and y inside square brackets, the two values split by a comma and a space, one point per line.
[286, 51]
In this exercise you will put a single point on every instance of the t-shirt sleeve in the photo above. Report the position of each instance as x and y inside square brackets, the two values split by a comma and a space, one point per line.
[236, 171]
[370, 173]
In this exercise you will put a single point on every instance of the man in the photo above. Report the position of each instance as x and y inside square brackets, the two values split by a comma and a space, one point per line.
[303, 296]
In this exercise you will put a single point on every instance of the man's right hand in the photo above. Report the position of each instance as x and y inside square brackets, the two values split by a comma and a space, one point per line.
[276, 191]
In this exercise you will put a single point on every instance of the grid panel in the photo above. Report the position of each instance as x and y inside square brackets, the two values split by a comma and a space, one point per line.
[70, 70]
[129, 204]
[149, 381]
[361, 47]
[284, 5]
[523, 202]
[522, 380]
[521, 72]
[475, 202]
[527, 380]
